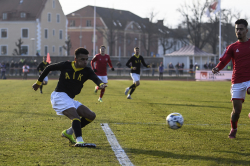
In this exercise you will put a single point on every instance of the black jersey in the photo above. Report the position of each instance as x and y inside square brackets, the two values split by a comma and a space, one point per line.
[42, 66]
[71, 79]
[136, 61]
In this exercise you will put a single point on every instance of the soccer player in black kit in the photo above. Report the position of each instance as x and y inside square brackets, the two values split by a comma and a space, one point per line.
[71, 80]
[135, 66]
[40, 69]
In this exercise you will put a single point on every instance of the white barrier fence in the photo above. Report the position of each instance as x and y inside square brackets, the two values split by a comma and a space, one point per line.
[206, 75]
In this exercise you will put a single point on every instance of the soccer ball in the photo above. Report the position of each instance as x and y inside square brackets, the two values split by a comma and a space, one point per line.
[174, 120]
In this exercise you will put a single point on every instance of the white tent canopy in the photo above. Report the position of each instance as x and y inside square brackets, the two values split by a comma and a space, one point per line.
[189, 55]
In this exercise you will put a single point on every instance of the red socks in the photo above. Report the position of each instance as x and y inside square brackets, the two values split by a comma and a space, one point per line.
[102, 93]
[233, 124]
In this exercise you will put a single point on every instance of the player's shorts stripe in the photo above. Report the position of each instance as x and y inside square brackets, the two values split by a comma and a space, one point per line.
[88, 120]
[119, 152]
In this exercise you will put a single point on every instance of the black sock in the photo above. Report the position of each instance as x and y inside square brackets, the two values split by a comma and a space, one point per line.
[41, 87]
[85, 121]
[132, 86]
[132, 90]
[76, 125]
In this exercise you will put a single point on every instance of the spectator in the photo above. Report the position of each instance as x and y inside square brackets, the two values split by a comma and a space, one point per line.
[177, 66]
[210, 66]
[171, 68]
[37, 53]
[161, 69]
[7, 65]
[25, 71]
[205, 66]
[196, 66]
[191, 69]
[3, 70]
[16, 68]
[12, 65]
[153, 68]
[20, 66]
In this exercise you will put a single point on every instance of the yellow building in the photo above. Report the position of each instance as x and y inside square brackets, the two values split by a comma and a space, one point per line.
[40, 24]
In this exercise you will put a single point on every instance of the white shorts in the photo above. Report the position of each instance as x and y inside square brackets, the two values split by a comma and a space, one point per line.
[46, 79]
[135, 77]
[238, 91]
[61, 101]
[104, 79]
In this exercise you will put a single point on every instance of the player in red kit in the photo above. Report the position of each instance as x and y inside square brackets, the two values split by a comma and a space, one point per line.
[99, 65]
[239, 53]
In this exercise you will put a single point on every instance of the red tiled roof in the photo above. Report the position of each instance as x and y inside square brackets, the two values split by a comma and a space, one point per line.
[189, 50]
[32, 8]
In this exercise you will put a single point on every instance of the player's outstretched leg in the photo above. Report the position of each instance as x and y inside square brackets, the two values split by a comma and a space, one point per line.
[69, 135]
[96, 89]
[126, 91]
[41, 88]
[101, 95]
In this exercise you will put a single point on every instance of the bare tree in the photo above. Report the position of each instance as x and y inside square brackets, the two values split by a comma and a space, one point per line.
[18, 51]
[166, 41]
[111, 34]
[193, 15]
[68, 46]
[227, 35]
[149, 33]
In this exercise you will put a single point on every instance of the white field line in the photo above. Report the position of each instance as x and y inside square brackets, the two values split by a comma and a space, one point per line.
[119, 152]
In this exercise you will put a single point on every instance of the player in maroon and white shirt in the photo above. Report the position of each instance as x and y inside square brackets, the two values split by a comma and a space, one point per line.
[239, 53]
[99, 65]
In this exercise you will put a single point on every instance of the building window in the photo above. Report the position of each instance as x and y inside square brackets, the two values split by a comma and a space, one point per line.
[128, 41]
[135, 41]
[88, 23]
[60, 50]
[5, 16]
[60, 34]
[54, 4]
[45, 50]
[24, 50]
[24, 33]
[3, 33]
[54, 32]
[3, 50]
[22, 15]
[72, 23]
[53, 49]
[46, 33]
[58, 18]
[49, 17]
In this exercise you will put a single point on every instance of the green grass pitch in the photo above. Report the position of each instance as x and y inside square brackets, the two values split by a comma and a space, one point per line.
[30, 129]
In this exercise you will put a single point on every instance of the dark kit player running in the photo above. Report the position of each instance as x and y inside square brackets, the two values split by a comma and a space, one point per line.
[135, 66]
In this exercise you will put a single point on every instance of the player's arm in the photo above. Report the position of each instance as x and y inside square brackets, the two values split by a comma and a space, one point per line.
[143, 62]
[96, 80]
[39, 68]
[52, 67]
[110, 64]
[224, 60]
[92, 64]
[128, 63]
